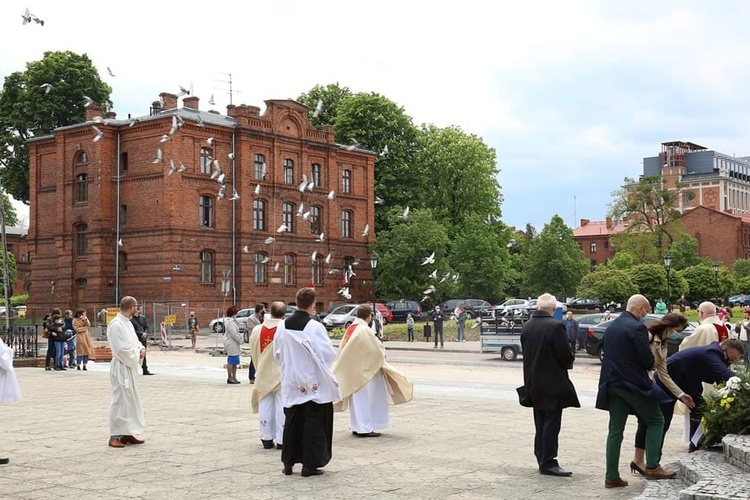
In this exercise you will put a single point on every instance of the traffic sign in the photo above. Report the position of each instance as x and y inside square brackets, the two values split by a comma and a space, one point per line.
[170, 320]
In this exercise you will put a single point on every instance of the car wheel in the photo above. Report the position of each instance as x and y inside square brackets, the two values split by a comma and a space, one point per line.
[219, 328]
[611, 309]
[601, 354]
[347, 324]
[509, 354]
[596, 310]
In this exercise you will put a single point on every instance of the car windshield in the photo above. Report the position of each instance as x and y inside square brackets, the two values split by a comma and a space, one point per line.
[343, 310]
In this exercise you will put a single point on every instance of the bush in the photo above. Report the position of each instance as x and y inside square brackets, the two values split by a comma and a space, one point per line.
[727, 411]
[397, 331]
[19, 300]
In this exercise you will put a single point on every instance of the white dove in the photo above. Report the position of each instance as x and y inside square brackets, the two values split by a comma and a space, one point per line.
[133, 122]
[385, 150]
[159, 157]
[318, 108]
[221, 177]
[445, 277]
[266, 260]
[245, 249]
[430, 289]
[311, 186]
[353, 146]
[366, 231]
[379, 201]
[300, 210]
[455, 278]
[183, 91]
[302, 186]
[210, 141]
[46, 86]
[119, 242]
[174, 128]
[256, 191]
[331, 195]
[235, 195]
[211, 100]
[269, 240]
[306, 215]
[87, 101]
[276, 267]
[433, 274]
[426, 297]
[165, 138]
[314, 255]
[99, 134]
[321, 237]
[230, 156]
[328, 259]
[182, 168]
[429, 260]
[405, 215]
[263, 171]
[333, 271]
[222, 191]
[172, 167]
[282, 228]
[344, 291]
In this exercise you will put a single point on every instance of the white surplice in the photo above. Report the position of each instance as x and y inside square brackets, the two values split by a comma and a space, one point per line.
[368, 407]
[10, 391]
[271, 418]
[125, 412]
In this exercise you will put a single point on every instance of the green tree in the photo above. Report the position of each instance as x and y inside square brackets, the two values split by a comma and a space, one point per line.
[650, 280]
[462, 179]
[650, 206]
[11, 216]
[12, 271]
[742, 285]
[376, 122]
[684, 252]
[703, 283]
[621, 260]
[481, 256]
[556, 263]
[741, 268]
[331, 95]
[27, 110]
[401, 250]
[642, 246]
[608, 285]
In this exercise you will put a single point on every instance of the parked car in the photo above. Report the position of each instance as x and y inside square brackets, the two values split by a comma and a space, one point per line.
[511, 304]
[532, 305]
[342, 316]
[473, 306]
[289, 311]
[217, 325]
[21, 310]
[740, 300]
[401, 308]
[595, 342]
[384, 312]
[592, 305]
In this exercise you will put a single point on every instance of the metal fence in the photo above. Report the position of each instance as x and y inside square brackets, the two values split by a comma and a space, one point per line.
[22, 339]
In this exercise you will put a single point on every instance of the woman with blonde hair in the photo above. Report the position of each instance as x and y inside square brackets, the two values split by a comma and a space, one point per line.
[658, 333]
[84, 345]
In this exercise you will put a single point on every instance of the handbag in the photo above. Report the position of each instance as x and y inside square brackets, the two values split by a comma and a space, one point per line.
[523, 397]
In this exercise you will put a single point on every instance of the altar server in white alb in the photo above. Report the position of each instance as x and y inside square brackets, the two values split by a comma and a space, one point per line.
[266, 395]
[10, 391]
[368, 383]
[125, 412]
[308, 387]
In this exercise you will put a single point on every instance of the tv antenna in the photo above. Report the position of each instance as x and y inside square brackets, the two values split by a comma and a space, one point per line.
[231, 89]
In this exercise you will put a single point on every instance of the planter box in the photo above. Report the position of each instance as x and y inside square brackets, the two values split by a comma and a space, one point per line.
[101, 354]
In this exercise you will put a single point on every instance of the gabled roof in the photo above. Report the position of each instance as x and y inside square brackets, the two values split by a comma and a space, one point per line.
[599, 228]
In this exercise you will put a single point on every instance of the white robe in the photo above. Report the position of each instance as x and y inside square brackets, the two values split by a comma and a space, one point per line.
[10, 391]
[125, 413]
[271, 418]
[368, 407]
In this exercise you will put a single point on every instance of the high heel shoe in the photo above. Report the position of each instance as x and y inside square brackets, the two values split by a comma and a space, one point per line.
[634, 469]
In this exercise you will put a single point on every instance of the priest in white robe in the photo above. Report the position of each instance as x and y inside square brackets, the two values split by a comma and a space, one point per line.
[308, 387]
[266, 395]
[125, 412]
[368, 383]
[10, 391]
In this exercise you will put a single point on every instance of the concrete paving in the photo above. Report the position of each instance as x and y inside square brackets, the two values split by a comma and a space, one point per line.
[463, 437]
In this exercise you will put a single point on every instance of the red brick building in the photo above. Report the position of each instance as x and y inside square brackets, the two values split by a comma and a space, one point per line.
[177, 234]
[18, 246]
[593, 236]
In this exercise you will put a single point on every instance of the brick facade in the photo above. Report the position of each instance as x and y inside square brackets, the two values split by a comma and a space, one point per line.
[167, 238]
[593, 237]
[722, 237]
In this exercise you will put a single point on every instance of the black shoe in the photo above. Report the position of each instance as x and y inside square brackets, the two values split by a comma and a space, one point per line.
[58, 368]
[4, 461]
[147, 373]
[47, 368]
[310, 472]
[372, 434]
[279, 447]
[84, 368]
[555, 471]
[267, 445]
[63, 368]
[287, 470]
[634, 469]
[79, 367]
[252, 380]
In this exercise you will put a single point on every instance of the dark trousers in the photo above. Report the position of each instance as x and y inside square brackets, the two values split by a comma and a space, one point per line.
[547, 425]
[50, 352]
[410, 334]
[308, 435]
[144, 364]
[439, 333]
[251, 370]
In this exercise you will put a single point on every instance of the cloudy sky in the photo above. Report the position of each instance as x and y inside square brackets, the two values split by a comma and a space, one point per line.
[572, 95]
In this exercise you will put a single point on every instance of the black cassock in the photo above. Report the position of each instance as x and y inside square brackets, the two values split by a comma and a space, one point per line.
[308, 435]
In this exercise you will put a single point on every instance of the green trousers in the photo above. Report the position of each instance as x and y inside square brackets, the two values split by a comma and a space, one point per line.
[621, 404]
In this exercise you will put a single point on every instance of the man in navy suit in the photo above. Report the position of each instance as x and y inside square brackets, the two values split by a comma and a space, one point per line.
[691, 368]
[625, 388]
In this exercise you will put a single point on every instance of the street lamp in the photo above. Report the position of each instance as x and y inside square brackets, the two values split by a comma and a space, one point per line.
[716, 275]
[373, 264]
[667, 266]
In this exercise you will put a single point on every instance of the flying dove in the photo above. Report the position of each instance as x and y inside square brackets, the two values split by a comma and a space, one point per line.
[433, 274]
[276, 267]
[327, 260]
[455, 278]
[133, 122]
[99, 134]
[266, 260]
[306, 215]
[264, 171]
[183, 91]
[430, 289]
[211, 100]
[109, 70]
[385, 151]
[245, 249]
[172, 167]
[344, 291]
[97, 119]
[235, 195]
[221, 177]
[379, 201]
[182, 168]
[87, 101]
[366, 231]
[314, 255]
[174, 128]
[405, 215]
[210, 141]
[318, 108]
[321, 238]
[222, 191]
[300, 210]
[511, 243]
[311, 186]
[256, 191]
[333, 271]
[159, 157]
[445, 277]
[46, 86]
[28, 17]
[119, 242]
[282, 228]
[353, 145]
[230, 156]
[429, 260]
[165, 138]
[269, 240]
[426, 297]
[331, 195]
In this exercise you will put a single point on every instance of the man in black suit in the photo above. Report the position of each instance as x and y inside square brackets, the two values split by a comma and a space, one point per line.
[546, 360]
[691, 368]
[437, 320]
[141, 330]
[625, 388]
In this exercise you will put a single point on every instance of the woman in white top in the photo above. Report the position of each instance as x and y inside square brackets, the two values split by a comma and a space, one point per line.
[232, 343]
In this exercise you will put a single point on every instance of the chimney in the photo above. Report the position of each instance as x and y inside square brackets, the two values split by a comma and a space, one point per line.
[155, 108]
[609, 223]
[93, 111]
[170, 100]
[191, 102]
[584, 222]
[110, 115]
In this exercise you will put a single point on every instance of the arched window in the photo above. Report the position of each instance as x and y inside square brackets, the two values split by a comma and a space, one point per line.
[316, 177]
[206, 160]
[287, 216]
[290, 269]
[315, 221]
[288, 171]
[260, 167]
[207, 266]
[82, 188]
[81, 157]
[260, 268]
[206, 211]
[346, 224]
[82, 244]
[317, 270]
[346, 181]
[259, 215]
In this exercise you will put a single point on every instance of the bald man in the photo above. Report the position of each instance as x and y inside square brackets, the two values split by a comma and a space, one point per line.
[625, 388]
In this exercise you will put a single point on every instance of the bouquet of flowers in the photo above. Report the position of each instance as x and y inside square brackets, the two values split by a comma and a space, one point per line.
[727, 411]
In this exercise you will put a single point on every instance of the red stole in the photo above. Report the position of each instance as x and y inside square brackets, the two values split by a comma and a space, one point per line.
[722, 331]
[348, 334]
[266, 337]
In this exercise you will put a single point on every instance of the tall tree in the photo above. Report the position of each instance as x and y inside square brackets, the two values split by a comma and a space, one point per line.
[462, 174]
[684, 252]
[741, 268]
[27, 110]
[607, 285]
[642, 246]
[11, 216]
[650, 280]
[650, 206]
[703, 282]
[376, 123]
[556, 262]
[621, 260]
[331, 96]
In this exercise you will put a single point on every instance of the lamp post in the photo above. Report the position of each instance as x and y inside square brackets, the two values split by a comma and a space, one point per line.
[716, 276]
[373, 264]
[667, 266]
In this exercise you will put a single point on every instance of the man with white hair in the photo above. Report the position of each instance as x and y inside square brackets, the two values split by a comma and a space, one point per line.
[547, 357]
[710, 330]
